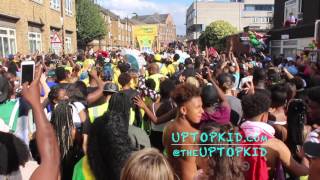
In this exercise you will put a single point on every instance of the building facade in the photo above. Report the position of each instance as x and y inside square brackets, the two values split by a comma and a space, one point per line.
[239, 13]
[118, 32]
[28, 26]
[291, 40]
[166, 28]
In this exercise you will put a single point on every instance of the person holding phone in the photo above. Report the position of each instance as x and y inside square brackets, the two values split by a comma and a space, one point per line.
[45, 136]
[49, 167]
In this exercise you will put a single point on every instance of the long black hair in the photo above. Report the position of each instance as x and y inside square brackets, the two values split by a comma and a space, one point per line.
[296, 115]
[108, 140]
[62, 123]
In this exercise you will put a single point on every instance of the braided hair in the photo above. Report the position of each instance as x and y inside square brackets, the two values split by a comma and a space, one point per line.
[62, 123]
[120, 104]
[297, 112]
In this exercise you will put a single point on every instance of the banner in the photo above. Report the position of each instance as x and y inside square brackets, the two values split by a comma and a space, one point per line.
[145, 35]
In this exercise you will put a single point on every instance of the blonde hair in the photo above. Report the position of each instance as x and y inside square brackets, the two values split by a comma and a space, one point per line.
[193, 81]
[147, 164]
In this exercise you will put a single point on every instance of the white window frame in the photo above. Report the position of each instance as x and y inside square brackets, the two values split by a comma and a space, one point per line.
[68, 7]
[293, 6]
[55, 4]
[9, 36]
[68, 44]
[256, 20]
[38, 41]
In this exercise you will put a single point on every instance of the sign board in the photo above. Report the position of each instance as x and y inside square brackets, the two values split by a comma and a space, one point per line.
[55, 38]
[284, 36]
[56, 43]
[145, 35]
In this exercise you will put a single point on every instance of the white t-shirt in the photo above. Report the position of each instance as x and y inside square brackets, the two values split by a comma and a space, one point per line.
[77, 107]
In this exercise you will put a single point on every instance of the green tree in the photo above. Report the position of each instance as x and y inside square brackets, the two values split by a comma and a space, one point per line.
[215, 35]
[90, 24]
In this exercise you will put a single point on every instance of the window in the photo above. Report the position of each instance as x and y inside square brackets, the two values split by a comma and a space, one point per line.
[7, 41]
[256, 20]
[68, 44]
[292, 6]
[34, 42]
[264, 20]
[38, 1]
[55, 4]
[68, 5]
[258, 7]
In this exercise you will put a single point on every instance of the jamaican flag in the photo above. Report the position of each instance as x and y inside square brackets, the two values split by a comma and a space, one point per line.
[82, 170]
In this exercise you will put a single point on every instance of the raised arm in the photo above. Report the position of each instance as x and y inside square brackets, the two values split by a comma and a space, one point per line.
[156, 120]
[234, 60]
[45, 136]
[222, 96]
[97, 94]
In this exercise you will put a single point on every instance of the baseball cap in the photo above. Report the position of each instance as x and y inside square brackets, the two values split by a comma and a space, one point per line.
[4, 88]
[311, 146]
[110, 88]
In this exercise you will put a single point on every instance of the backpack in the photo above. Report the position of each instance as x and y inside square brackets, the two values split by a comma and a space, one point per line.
[255, 167]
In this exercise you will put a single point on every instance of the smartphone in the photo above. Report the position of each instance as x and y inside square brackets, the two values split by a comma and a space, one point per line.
[28, 70]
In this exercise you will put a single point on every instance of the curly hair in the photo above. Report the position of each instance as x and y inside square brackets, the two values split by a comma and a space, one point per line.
[13, 153]
[108, 146]
[223, 167]
[184, 93]
[254, 105]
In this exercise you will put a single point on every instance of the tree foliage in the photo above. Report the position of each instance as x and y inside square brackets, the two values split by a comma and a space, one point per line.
[90, 23]
[215, 35]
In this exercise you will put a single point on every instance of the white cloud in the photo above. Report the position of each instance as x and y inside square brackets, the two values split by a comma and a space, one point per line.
[125, 8]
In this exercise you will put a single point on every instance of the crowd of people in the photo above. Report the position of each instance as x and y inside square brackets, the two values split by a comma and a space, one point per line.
[101, 115]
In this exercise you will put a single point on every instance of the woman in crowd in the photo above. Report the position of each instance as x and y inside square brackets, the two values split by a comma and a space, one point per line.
[158, 109]
[215, 104]
[218, 167]
[147, 164]
[108, 142]
[297, 129]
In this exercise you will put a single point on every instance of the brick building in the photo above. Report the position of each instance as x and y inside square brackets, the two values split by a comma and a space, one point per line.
[27, 26]
[118, 31]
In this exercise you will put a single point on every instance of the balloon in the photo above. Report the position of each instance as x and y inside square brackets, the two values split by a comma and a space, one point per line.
[254, 42]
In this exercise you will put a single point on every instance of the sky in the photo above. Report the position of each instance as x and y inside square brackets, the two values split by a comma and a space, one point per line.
[177, 8]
